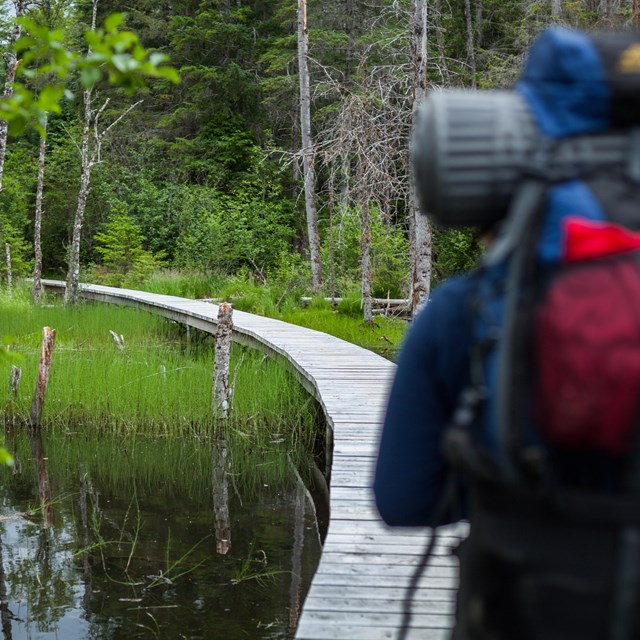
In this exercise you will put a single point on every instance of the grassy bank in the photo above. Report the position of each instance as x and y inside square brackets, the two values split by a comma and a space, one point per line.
[283, 301]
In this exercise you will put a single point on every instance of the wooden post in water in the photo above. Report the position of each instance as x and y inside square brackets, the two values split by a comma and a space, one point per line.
[37, 404]
[221, 389]
[7, 249]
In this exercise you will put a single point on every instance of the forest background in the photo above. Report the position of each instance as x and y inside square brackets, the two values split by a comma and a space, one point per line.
[208, 176]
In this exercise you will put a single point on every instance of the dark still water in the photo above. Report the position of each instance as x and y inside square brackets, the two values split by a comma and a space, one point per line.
[151, 539]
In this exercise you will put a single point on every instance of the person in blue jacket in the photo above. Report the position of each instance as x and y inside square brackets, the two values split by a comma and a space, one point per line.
[433, 368]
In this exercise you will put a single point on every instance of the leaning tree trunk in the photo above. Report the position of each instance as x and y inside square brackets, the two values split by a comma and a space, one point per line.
[12, 67]
[420, 228]
[307, 149]
[37, 227]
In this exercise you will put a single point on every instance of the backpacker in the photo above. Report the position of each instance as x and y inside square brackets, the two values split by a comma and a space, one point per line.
[547, 434]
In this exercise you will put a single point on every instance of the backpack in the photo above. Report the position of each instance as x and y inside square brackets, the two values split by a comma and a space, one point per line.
[546, 436]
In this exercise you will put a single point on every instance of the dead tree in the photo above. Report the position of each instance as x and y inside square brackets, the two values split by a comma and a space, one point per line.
[90, 155]
[37, 226]
[420, 239]
[307, 151]
[20, 7]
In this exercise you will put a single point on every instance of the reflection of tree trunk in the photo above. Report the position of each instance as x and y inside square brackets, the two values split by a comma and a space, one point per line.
[86, 539]
[5, 614]
[44, 487]
[222, 520]
[296, 557]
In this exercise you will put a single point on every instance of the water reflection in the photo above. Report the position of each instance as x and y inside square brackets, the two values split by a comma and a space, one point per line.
[133, 547]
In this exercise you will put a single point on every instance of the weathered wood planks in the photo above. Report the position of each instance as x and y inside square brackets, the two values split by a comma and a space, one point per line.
[360, 585]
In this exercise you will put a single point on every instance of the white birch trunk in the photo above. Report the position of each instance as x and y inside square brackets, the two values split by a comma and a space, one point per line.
[7, 248]
[421, 235]
[307, 149]
[37, 227]
[12, 67]
[221, 388]
[73, 272]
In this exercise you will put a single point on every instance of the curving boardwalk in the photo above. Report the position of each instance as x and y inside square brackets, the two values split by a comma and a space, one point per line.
[360, 585]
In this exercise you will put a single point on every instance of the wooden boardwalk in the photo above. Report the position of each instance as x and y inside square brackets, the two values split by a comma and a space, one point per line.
[365, 567]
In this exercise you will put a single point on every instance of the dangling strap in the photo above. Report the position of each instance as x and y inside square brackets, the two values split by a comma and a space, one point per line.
[510, 428]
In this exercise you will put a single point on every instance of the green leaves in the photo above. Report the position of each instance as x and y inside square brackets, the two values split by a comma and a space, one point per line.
[114, 55]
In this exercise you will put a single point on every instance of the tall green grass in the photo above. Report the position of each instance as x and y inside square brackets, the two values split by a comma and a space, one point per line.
[158, 384]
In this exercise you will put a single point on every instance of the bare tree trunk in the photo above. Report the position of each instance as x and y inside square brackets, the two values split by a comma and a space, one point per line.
[307, 149]
[220, 481]
[471, 56]
[421, 236]
[556, 8]
[7, 248]
[479, 16]
[37, 404]
[37, 228]
[365, 249]
[73, 272]
[221, 388]
[12, 67]
[636, 13]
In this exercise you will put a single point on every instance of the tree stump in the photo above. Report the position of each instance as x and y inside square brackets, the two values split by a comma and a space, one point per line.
[37, 404]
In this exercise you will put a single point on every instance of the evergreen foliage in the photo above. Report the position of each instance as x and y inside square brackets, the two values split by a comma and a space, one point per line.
[206, 174]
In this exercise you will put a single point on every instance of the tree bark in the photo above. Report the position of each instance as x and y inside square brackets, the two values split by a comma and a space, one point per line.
[365, 249]
[37, 227]
[7, 248]
[636, 13]
[420, 227]
[12, 67]
[73, 272]
[221, 388]
[37, 404]
[471, 56]
[308, 150]
[556, 8]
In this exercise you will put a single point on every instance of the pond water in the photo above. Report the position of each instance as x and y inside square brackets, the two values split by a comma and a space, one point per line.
[151, 539]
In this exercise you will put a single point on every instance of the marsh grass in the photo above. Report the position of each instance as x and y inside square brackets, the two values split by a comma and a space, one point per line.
[155, 385]
[384, 336]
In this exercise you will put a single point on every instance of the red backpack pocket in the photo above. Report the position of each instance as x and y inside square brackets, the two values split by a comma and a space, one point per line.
[587, 341]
